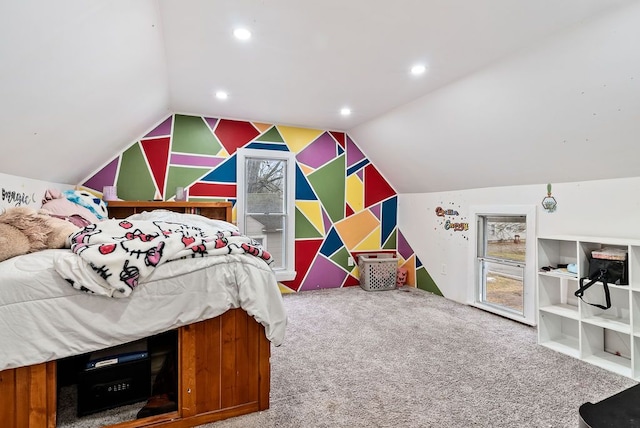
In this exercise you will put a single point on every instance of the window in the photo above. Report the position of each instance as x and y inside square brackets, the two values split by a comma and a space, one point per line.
[266, 204]
[503, 257]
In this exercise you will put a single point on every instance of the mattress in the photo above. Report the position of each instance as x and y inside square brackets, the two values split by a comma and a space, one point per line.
[43, 318]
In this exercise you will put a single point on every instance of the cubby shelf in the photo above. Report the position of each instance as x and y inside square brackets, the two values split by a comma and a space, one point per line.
[564, 310]
[606, 338]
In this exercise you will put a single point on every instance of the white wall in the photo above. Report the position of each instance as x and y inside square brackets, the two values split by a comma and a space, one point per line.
[608, 208]
[20, 191]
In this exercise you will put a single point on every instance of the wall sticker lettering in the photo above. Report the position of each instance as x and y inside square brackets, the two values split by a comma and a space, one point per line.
[452, 225]
[17, 198]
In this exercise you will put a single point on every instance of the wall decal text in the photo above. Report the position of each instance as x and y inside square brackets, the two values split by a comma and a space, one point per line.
[457, 227]
[17, 198]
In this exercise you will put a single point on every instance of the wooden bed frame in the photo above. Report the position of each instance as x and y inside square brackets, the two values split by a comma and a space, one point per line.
[223, 362]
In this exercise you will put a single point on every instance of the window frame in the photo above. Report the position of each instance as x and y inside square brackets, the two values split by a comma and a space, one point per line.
[287, 273]
[529, 293]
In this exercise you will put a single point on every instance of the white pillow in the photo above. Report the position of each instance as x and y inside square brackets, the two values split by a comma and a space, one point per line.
[190, 219]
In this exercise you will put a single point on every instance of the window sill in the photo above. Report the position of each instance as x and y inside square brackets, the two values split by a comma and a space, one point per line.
[285, 275]
[503, 313]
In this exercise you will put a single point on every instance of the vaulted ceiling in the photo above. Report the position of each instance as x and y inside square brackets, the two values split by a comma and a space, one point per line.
[501, 102]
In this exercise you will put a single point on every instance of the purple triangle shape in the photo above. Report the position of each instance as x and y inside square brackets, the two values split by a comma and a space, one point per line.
[354, 155]
[161, 130]
[326, 220]
[404, 248]
[375, 210]
[105, 177]
[211, 121]
[323, 274]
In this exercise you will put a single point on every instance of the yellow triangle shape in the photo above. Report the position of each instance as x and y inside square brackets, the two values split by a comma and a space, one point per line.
[298, 138]
[284, 289]
[371, 242]
[355, 193]
[313, 212]
[223, 153]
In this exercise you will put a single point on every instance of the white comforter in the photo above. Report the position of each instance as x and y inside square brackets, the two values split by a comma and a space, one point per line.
[43, 318]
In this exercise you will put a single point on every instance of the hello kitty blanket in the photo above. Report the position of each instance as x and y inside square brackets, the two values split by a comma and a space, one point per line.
[121, 254]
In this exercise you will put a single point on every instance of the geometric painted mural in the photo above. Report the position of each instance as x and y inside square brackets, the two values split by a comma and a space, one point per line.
[344, 206]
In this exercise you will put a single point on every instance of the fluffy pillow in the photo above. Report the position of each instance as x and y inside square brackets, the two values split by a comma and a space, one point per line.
[88, 201]
[65, 208]
[12, 242]
[25, 230]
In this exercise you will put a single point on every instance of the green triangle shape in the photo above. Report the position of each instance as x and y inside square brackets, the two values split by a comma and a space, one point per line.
[182, 177]
[425, 282]
[192, 135]
[341, 258]
[272, 136]
[135, 182]
[329, 184]
[391, 241]
[304, 228]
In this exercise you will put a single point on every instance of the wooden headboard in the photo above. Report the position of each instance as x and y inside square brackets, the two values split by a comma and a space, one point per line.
[213, 210]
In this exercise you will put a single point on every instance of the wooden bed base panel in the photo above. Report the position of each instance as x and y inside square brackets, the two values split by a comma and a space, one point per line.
[28, 396]
[223, 371]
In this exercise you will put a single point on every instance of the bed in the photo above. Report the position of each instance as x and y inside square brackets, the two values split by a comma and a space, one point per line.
[226, 315]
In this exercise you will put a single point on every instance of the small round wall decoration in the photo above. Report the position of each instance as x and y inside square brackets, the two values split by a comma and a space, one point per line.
[549, 202]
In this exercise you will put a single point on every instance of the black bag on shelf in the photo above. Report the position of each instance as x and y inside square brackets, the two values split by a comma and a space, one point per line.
[607, 272]
[611, 271]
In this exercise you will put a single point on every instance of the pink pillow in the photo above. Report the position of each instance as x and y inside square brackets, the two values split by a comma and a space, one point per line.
[65, 207]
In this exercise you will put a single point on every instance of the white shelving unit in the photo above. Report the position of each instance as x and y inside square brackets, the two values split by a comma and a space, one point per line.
[607, 338]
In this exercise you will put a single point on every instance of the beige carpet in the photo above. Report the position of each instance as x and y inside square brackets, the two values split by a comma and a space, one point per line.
[408, 358]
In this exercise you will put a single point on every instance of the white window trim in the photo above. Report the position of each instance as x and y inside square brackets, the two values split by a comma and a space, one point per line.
[288, 273]
[473, 299]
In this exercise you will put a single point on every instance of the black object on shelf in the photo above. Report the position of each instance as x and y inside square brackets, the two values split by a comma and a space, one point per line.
[113, 378]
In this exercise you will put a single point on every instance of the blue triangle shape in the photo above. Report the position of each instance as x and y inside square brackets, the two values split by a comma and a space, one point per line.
[331, 244]
[304, 192]
[224, 173]
[389, 217]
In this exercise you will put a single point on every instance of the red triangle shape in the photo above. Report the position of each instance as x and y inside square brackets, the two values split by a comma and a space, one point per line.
[351, 281]
[157, 152]
[306, 251]
[339, 136]
[376, 188]
[234, 134]
[349, 211]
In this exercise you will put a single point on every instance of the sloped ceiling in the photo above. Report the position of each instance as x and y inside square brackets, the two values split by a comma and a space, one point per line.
[81, 80]
[78, 81]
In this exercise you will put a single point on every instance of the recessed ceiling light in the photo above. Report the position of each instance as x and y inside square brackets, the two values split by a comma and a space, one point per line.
[222, 95]
[242, 33]
[345, 111]
[418, 69]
